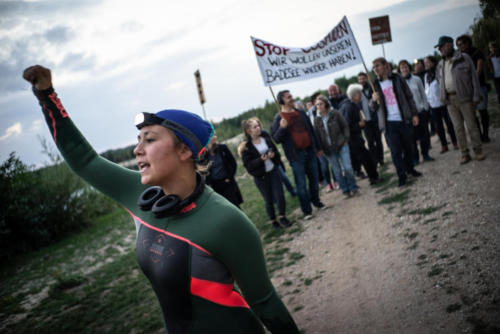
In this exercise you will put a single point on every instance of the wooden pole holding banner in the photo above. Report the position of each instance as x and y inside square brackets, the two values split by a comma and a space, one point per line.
[275, 101]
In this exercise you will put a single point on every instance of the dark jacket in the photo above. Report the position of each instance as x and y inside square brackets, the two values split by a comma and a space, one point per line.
[336, 102]
[351, 113]
[338, 130]
[229, 190]
[404, 97]
[252, 158]
[284, 137]
[464, 77]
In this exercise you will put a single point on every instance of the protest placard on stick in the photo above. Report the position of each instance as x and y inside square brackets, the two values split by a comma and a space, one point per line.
[336, 51]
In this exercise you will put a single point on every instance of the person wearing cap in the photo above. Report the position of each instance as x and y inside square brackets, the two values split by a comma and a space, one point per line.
[461, 91]
[192, 244]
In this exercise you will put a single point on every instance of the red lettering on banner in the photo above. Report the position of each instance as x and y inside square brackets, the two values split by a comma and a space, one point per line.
[337, 33]
[263, 48]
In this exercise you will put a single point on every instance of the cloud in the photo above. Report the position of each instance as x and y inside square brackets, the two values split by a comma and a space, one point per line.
[78, 61]
[36, 125]
[15, 129]
[58, 35]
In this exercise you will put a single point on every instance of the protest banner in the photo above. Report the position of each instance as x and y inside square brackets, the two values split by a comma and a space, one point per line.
[338, 50]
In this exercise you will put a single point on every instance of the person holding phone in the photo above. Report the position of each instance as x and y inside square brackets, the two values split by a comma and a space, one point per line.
[261, 159]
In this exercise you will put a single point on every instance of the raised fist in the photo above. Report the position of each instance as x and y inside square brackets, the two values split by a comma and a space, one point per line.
[38, 76]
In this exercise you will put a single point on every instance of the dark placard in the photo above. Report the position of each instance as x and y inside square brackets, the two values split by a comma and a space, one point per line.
[380, 29]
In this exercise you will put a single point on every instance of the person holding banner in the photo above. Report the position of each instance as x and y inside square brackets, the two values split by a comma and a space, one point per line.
[294, 131]
[396, 108]
[371, 130]
[192, 244]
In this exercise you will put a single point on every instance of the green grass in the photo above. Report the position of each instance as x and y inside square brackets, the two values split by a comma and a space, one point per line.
[426, 211]
[396, 198]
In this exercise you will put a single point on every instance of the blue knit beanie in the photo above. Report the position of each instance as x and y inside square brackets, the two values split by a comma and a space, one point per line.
[190, 128]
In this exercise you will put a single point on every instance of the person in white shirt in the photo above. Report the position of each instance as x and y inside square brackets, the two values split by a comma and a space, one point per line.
[494, 58]
[396, 108]
[421, 131]
[439, 113]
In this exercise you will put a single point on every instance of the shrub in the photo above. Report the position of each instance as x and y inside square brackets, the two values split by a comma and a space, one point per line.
[39, 207]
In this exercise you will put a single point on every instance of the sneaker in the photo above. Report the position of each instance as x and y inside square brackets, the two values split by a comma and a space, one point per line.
[455, 147]
[375, 181]
[480, 156]
[329, 188]
[336, 186]
[361, 175]
[276, 225]
[428, 158]
[285, 222]
[465, 159]
[308, 216]
[320, 206]
[347, 194]
[415, 173]
[354, 192]
[415, 162]
[402, 182]
[444, 149]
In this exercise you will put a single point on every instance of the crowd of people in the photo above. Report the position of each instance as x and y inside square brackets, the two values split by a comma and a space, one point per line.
[329, 140]
[193, 245]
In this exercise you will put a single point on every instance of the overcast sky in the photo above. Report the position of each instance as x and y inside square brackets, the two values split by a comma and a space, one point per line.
[111, 59]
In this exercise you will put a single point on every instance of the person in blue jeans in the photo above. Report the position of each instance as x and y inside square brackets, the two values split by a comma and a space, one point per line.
[294, 131]
[333, 133]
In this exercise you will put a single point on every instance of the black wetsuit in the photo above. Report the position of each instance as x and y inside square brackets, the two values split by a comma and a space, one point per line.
[192, 259]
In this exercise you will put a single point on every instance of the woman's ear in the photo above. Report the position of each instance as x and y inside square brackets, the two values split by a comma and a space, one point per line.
[184, 152]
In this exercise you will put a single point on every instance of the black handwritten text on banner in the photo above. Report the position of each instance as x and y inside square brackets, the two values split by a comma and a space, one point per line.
[336, 51]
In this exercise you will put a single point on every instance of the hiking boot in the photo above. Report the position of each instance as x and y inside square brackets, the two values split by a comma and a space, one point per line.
[402, 182]
[319, 206]
[444, 149]
[465, 159]
[285, 222]
[276, 225]
[428, 158]
[415, 173]
[480, 156]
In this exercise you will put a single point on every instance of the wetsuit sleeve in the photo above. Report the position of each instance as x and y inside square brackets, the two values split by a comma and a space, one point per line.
[111, 179]
[240, 249]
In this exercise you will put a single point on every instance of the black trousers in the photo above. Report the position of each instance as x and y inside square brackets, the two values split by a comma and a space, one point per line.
[399, 139]
[374, 138]
[271, 188]
[360, 153]
[421, 135]
[439, 115]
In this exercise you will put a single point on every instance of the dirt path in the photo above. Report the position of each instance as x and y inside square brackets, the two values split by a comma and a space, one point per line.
[426, 263]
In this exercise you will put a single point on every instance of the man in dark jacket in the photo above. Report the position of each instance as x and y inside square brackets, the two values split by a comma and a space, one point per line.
[396, 108]
[293, 129]
[222, 171]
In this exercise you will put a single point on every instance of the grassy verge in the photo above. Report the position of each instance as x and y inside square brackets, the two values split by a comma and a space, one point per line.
[90, 282]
